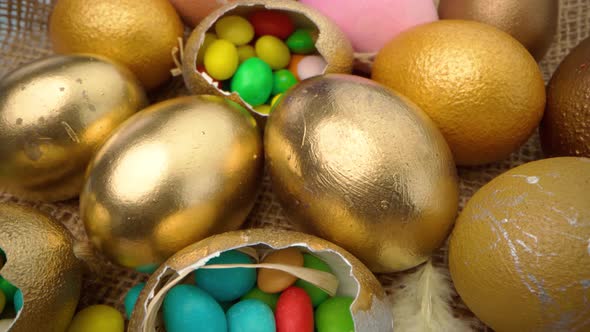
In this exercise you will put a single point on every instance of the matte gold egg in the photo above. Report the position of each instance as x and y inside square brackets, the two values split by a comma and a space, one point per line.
[332, 44]
[54, 114]
[173, 174]
[370, 310]
[531, 22]
[42, 264]
[363, 167]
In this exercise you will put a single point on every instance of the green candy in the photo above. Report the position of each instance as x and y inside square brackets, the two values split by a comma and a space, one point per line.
[253, 81]
[268, 299]
[316, 294]
[282, 80]
[334, 315]
[8, 289]
[301, 42]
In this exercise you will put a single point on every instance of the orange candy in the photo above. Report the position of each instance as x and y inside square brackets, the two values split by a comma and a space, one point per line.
[274, 281]
[295, 59]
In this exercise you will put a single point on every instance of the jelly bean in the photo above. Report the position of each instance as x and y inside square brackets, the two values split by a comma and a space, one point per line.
[295, 59]
[97, 318]
[273, 51]
[301, 42]
[275, 100]
[188, 308]
[269, 299]
[253, 81]
[235, 29]
[2, 301]
[227, 284]
[149, 268]
[8, 289]
[18, 300]
[294, 311]
[209, 38]
[310, 66]
[263, 109]
[131, 298]
[246, 52]
[274, 281]
[282, 81]
[250, 316]
[272, 22]
[221, 59]
[334, 315]
[316, 294]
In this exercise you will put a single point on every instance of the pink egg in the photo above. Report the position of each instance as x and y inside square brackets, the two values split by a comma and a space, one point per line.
[193, 11]
[370, 24]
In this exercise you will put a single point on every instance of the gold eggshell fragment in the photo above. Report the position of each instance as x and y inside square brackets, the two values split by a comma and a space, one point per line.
[363, 167]
[531, 22]
[42, 264]
[370, 310]
[54, 114]
[565, 129]
[173, 174]
[332, 44]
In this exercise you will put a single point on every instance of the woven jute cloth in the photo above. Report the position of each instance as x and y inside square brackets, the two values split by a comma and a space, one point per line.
[23, 38]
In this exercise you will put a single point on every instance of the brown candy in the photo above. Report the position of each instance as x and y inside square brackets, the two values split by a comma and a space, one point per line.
[274, 281]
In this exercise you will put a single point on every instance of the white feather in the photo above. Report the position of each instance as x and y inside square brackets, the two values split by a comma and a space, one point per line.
[423, 304]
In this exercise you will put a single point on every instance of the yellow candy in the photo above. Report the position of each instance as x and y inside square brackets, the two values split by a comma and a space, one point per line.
[209, 38]
[263, 109]
[221, 59]
[2, 301]
[275, 99]
[246, 52]
[235, 29]
[273, 51]
[97, 318]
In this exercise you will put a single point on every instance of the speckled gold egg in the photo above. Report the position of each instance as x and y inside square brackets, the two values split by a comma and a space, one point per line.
[42, 264]
[370, 310]
[54, 114]
[175, 173]
[332, 44]
[531, 22]
[363, 167]
[519, 254]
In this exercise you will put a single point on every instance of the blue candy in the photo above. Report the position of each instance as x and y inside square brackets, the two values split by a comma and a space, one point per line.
[250, 316]
[18, 300]
[131, 298]
[187, 308]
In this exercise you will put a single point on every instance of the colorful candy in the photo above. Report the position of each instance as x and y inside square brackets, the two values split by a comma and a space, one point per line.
[282, 80]
[301, 42]
[316, 294]
[294, 64]
[209, 38]
[274, 281]
[294, 311]
[275, 100]
[263, 109]
[2, 301]
[97, 318]
[310, 66]
[131, 298]
[8, 289]
[250, 316]
[273, 23]
[188, 308]
[235, 29]
[253, 81]
[268, 299]
[221, 59]
[334, 315]
[246, 52]
[18, 300]
[273, 51]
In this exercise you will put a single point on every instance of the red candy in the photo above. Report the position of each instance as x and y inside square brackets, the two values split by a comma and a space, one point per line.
[274, 23]
[294, 311]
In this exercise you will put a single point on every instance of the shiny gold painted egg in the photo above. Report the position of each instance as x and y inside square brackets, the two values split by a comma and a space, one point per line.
[42, 264]
[370, 310]
[54, 114]
[363, 167]
[173, 174]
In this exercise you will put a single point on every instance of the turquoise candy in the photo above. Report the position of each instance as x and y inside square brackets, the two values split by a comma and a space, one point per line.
[334, 315]
[18, 300]
[282, 80]
[8, 289]
[253, 81]
[149, 268]
[227, 284]
[250, 316]
[301, 42]
[316, 294]
[131, 298]
[257, 294]
[187, 308]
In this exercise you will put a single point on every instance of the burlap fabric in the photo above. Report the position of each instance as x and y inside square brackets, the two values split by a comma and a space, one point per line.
[23, 38]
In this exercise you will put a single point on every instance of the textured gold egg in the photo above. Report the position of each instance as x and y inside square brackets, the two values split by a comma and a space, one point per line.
[54, 114]
[531, 22]
[173, 174]
[565, 129]
[42, 264]
[332, 44]
[519, 255]
[363, 167]
[370, 310]
[139, 34]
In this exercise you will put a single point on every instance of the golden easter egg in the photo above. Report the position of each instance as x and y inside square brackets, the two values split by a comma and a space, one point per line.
[363, 167]
[565, 129]
[192, 12]
[519, 255]
[54, 114]
[531, 22]
[42, 264]
[173, 174]
[139, 34]
[370, 309]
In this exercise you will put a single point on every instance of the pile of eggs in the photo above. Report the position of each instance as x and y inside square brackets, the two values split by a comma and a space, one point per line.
[11, 298]
[259, 57]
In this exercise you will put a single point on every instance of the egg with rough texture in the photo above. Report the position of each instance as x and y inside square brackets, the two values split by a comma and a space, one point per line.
[193, 12]
[522, 242]
[54, 114]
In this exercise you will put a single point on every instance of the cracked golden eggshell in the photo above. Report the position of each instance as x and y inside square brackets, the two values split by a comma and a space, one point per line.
[332, 44]
[519, 255]
[370, 310]
[42, 264]
[359, 165]
[173, 174]
[54, 114]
